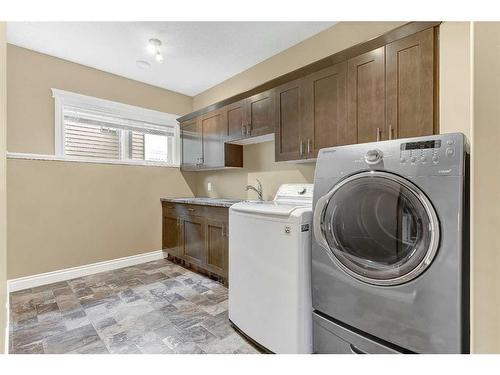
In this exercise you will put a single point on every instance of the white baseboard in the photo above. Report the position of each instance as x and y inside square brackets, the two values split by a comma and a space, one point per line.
[74, 272]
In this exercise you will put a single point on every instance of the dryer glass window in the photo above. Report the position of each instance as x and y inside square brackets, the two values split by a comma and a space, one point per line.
[377, 227]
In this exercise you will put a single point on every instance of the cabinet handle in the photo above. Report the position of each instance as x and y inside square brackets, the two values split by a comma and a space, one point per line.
[390, 131]
[301, 147]
[223, 230]
[178, 222]
[243, 129]
[249, 129]
[190, 209]
[378, 134]
[308, 145]
[170, 206]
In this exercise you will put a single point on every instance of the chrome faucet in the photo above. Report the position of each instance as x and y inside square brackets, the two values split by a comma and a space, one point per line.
[257, 189]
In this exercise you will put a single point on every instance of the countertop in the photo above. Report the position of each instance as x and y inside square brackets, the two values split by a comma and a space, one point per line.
[216, 202]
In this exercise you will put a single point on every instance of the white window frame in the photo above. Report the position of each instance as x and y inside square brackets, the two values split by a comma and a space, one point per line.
[162, 119]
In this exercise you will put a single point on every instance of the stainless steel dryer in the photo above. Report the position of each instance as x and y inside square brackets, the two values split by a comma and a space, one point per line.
[390, 250]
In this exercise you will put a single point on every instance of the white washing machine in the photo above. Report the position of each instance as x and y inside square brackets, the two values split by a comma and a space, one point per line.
[270, 270]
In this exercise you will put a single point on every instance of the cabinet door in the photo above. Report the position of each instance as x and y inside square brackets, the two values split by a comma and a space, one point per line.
[366, 95]
[192, 239]
[216, 246]
[410, 86]
[288, 142]
[260, 109]
[325, 110]
[171, 238]
[192, 148]
[236, 120]
[213, 126]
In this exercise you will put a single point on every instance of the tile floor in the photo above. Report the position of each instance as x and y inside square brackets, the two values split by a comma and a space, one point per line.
[155, 307]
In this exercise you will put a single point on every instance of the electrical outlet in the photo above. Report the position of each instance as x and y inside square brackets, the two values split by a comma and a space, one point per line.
[209, 186]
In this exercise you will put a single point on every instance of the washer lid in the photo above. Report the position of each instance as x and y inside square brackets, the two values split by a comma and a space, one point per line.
[268, 207]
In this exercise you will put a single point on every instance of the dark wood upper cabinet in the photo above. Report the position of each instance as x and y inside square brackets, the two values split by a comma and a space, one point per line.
[203, 143]
[192, 146]
[324, 108]
[214, 125]
[289, 144]
[236, 120]
[382, 89]
[260, 114]
[366, 95]
[410, 86]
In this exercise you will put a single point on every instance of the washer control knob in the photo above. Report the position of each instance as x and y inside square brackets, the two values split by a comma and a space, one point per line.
[449, 142]
[450, 152]
[373, 156]
[413, 159]
[422, 159]
[435, 158]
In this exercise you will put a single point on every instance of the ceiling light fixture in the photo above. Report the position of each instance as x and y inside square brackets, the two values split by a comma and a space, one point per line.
[159, 57]
[154, 48]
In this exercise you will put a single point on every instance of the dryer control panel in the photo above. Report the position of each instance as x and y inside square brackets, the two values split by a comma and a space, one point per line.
[428, 152]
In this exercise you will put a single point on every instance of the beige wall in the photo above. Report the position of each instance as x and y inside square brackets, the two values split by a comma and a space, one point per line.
[259, 163]
[455, 77]
[64, 214]
[469, 92]
[486, 189]
[31, 75]
[3, 214]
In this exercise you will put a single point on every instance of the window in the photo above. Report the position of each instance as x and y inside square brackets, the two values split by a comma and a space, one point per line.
[103, 131]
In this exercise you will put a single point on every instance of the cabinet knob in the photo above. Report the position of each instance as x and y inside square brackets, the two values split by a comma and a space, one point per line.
[301, 147]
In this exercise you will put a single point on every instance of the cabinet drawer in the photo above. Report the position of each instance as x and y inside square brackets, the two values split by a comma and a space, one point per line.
[169, 209]
[190, 210]
[182, 209]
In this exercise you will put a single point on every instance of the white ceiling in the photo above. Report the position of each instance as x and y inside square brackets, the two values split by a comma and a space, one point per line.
[198, 55]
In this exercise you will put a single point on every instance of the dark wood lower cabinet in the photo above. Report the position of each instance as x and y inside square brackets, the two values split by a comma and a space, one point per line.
[216, 246]
[171, 234]
[192, 244]
[197, 237]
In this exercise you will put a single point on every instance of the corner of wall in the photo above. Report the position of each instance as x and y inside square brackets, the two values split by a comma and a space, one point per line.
[3, 192]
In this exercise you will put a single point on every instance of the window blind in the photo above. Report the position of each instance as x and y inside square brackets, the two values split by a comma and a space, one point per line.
[95, 134]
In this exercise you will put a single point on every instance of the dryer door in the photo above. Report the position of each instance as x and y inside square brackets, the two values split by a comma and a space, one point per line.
[379, 227]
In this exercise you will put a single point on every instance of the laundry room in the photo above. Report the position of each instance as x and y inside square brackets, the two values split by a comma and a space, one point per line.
[256, 186]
